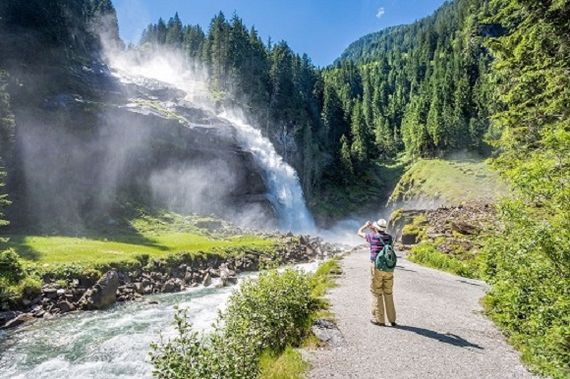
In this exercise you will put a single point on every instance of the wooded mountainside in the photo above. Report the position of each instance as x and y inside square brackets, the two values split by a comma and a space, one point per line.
[419, 89]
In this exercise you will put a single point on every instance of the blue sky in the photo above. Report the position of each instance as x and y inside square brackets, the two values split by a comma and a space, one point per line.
[320, 28]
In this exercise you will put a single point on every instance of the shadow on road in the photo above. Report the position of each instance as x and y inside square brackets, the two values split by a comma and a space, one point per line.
[405, 269]
[450, 339]
[470, 283]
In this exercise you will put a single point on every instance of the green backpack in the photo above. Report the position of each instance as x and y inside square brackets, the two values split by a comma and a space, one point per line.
[386, 259]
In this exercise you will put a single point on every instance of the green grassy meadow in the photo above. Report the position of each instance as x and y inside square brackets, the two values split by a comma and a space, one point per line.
[153, 236]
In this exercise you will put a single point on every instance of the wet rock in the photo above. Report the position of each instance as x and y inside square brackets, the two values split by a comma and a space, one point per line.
[207, 280]
[50, 293]
[65, 306]
[18, 320]
[227, 276]
[103, 293]
[139, 287]
[172, 285]
[147, 290]
[7, 316]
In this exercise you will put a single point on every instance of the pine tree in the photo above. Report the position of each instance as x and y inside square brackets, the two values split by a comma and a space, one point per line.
[360, 137]
[345, 159]
[174, 34]
[6, 141]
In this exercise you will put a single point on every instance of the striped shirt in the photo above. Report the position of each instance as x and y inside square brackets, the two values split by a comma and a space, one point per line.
[377, 241]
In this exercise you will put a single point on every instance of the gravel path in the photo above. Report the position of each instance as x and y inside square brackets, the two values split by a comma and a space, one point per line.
[442, 331]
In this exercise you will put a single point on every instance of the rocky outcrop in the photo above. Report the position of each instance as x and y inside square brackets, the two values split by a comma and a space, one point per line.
[102, 294]
[452, 229]
[88, 140]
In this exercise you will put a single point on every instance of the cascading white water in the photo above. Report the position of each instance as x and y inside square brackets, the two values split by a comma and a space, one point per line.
[285, 192]
[282, 180]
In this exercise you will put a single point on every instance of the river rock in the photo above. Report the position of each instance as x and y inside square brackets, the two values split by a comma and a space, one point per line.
[50, 293]
[207, 280]
[103, 293]
[19, 320]
[65, 306]
[227, 276]
[139, 287]
[7, 316]
[172, 285]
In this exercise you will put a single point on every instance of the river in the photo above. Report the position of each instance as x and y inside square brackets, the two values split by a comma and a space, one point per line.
[113, 343]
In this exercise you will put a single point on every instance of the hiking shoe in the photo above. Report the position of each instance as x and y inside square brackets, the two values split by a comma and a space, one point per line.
[374, 322]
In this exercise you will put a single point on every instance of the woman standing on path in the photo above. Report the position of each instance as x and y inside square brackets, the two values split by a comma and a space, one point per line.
[382, 281]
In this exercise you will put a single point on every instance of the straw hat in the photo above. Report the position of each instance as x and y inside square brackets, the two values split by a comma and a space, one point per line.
[380, 224]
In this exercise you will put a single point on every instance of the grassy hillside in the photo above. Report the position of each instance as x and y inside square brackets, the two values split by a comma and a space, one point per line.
[434, 182]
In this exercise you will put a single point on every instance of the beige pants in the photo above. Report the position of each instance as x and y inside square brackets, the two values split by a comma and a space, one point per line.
[381, 287]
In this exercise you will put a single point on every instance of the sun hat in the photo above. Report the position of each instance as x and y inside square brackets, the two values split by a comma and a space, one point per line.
[380, 224]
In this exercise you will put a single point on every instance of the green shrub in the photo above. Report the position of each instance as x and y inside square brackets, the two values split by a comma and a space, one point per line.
[12, 293]
[267, 314]
[530, 294]
[11, 269]
[426, 253]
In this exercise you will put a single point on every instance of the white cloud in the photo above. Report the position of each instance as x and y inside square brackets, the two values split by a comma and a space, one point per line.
[380, 12]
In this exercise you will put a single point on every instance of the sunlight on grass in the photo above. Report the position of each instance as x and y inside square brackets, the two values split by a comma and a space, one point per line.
[155, 237]
[451, 181]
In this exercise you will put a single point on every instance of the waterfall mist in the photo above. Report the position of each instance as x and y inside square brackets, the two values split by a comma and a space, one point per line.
[143, 66]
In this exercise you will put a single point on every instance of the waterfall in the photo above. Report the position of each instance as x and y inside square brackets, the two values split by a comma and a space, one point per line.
[282, 181]
[283, 184]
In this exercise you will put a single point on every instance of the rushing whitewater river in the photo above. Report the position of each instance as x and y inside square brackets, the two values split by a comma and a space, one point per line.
[112, 343]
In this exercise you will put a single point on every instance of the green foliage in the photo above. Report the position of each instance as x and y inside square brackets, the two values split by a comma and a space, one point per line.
[15, 282]
[528, 263]
[426, 253]
[346, 159]
[6, 141]
[254, 336]
[11, 269]
[269, 313]
[423, 85]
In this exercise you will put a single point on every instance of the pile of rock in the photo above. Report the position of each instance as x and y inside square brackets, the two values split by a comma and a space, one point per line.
[453, 227]
[159, 277]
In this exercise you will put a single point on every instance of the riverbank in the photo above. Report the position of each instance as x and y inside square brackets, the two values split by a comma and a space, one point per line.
[113, 342]
[49, 275]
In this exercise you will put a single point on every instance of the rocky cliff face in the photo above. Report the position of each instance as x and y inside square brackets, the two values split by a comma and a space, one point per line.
[89, 146]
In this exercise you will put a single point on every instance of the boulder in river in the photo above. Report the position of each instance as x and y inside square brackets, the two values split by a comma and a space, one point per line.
[103, 293]
[19, 320]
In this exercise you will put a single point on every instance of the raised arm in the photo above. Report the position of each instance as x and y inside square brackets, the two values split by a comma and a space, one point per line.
[362, 229]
